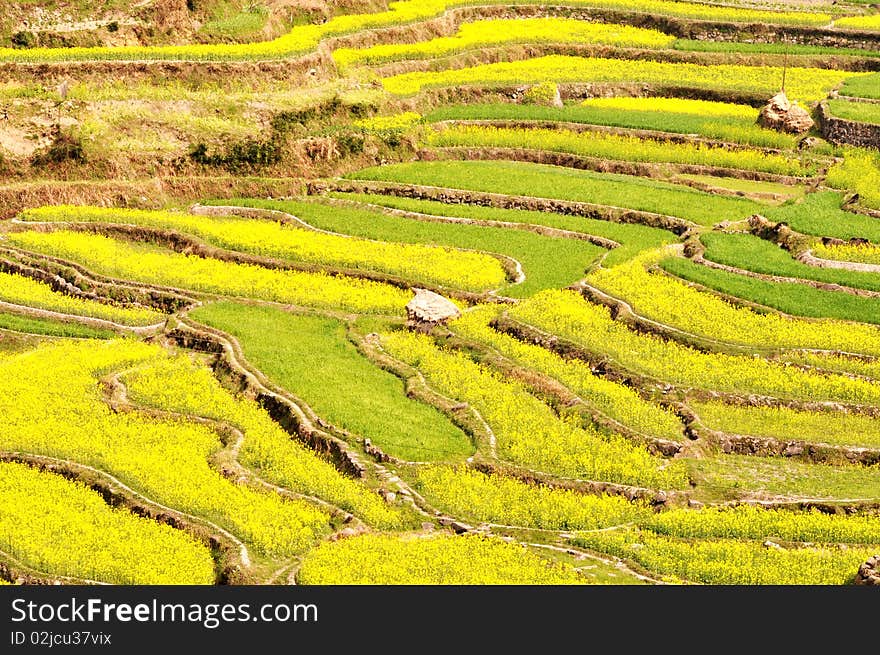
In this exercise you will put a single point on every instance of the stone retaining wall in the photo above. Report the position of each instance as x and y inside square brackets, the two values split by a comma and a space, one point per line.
[840, 130]
[869, 573]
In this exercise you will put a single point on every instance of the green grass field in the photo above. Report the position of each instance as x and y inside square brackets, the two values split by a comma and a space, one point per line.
[736, 130]
[820, 214]
[864, 112]
[313, 358]
[570, 258]
[788, 297]
[752, 253]
[536, 180]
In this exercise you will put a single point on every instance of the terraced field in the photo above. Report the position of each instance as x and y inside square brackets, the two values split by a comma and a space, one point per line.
[657, 360]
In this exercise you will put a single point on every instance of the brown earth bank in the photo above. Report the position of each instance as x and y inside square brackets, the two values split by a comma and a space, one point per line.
[144, 193]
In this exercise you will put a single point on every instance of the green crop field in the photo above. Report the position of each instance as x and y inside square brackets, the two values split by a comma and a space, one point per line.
[439, 292]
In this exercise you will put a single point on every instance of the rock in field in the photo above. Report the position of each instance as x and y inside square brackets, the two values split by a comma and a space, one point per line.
[781, 115]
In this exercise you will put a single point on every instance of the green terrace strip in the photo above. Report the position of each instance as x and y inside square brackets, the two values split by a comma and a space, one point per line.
[48, 327]
[528, 432]
[754, 254]
[179, 385]
[791, 49]
[617, 147]
[542, 181]
[294, 242]
[672, 302]
[860, 253]
[750, 522]
[548, 262]
[715, 120]
[633, 238]
[863, 112]
[152, 264]
[60, 527]
[728, 561]
[806, 84]
[496, 499]
[21, 290]
[312, 358]
[820, 214]
[377, 559]
[784, 191]
[789, 297]
[487, 33]
[732, 476]
[864, 86]
[566, 314]
[783, 423]
[52, 405]
[860, 172]
[303, 38]
[616, 401]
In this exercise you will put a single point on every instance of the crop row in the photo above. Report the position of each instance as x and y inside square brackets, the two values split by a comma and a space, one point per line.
[589, 326]
[618, 147]
[793, 298]
[670, 301]
[179, 385]
[869, 368]
[21, 290]
[289, 241]
[863, 86]
[528, 431]
[615, 400]
[786, 424]
[52, 406]
[304, 38]
[155, 265]
[488, 33]
[732, 477]
[820, 214]
[497, 499]
[678, 106]
[869, 22]
[715, 120]
[749, 522]
[864, 112]
[31, 325]
[860, 172]
[479, 497]
[485, 33]
[862, 253]
[728, 561]
[537, 180]
[312, 358]
[547, 261]
[633, 238]
[754, 254]
[806, 84]
[429, 559]
[773, 48]
[61, 527]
